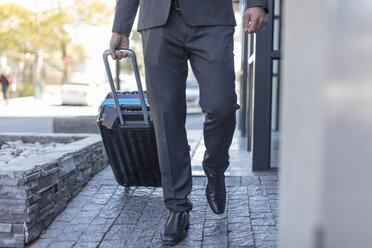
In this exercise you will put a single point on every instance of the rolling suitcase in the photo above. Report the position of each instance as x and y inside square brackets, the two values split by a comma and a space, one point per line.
[129, 137]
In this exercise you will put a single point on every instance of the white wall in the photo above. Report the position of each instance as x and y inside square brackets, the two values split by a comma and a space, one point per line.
[326, 147]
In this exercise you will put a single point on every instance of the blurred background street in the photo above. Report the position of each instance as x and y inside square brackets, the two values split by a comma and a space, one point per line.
[26, 114]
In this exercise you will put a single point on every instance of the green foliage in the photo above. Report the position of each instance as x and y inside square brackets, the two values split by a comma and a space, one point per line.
[23, 33]
[90, 12]
[17, 28]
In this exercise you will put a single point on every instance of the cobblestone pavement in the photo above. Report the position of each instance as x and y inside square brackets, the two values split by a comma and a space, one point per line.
[105, 214]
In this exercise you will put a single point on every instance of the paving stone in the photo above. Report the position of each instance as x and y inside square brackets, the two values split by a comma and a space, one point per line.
[260, 209]
[238, 227]
[269, 184]
[257, 215]
[184, 244]
[40, 243]
[247, 241]
[138, 240]
[238, 212]
[92, 236]
[257, 191]
[62, 244]
[198, 219]
[218, 229]
[107, 215]
[250, 181]
[263, 222]
[269, 178]
[119, 232]
[232, 181]
[128, 218]
[102, 227]
[240, 233]
[77, 227]
[258, 198]
[79, 199]
[85, 244]
[91, 213]
[256, 203]
[209, 215]
[239, 219]
[274, 204]
[273, 196]
[65, 217]
[52, 233]
[264, 229]
[267, 244]
[106, 189]
[188, 243]
[199, 181]
[195, 232]
[272, 191]
[101, 199]
[110, 212]
[88, 192]
[59, 225]
[82, 219]
[276, 219]
[275, 212]
[233, 204]
[266, 236]
[215, 241]
[109, 181]
[112, 244]
[101, 221]
[235, 189]
[69, 235]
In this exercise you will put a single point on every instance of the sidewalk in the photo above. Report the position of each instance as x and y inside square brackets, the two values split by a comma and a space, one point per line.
[105, 214]
[46, 107]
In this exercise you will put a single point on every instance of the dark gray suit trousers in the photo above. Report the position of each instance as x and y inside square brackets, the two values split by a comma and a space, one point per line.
[210, 52]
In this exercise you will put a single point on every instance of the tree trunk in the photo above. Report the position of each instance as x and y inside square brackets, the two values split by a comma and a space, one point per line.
[64, 54]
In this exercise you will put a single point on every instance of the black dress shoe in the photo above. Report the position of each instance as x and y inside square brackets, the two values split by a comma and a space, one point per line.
[216, 193]
[175, 228]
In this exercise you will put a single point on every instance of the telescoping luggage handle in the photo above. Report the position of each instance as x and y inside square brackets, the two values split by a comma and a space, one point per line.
[132, 55]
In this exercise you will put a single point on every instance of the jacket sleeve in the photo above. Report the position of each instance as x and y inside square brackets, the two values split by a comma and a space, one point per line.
[261, 3]
[125, 14]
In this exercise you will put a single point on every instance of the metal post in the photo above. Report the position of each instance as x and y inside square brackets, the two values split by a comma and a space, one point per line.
[262, 98]
[243, 89]
[117, 74]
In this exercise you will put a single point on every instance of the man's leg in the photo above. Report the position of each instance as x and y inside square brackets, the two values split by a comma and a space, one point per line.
[212, 60]
[166, 71]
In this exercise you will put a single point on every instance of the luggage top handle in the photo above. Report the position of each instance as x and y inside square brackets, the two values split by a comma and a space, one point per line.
[132, 55]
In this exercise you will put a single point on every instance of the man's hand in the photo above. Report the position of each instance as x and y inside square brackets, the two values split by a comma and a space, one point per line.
[118, 41]
[254, 20]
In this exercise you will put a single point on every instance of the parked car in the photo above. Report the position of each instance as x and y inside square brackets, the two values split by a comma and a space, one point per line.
[192, 95]
[84, 89]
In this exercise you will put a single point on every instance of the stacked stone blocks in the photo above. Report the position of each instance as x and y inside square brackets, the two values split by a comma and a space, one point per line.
[33, 191]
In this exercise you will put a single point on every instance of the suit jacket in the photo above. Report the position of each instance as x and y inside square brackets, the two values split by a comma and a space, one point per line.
[154, 13]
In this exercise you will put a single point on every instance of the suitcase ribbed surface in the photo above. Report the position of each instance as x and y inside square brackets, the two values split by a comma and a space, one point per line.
[131, 151]
[132, 155]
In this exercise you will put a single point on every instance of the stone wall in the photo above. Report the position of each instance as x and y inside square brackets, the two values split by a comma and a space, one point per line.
[35, 190]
